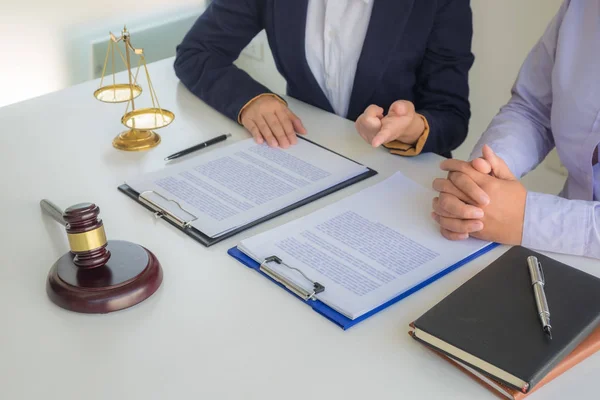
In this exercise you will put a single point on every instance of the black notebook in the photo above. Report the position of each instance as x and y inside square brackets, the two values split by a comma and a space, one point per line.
[491, 322]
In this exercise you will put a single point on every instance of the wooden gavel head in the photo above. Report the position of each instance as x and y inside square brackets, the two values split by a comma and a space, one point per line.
[98, 275]
[87, 238]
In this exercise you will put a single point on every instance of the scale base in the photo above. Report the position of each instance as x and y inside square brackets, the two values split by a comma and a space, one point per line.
[131, 275]
[136, 140]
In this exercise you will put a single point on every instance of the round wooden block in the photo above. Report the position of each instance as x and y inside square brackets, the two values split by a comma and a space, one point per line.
[131, 275]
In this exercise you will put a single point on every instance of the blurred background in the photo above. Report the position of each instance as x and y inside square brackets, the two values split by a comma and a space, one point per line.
[50, 45]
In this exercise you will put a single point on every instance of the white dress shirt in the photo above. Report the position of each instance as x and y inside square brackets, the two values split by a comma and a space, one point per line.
[335, 32]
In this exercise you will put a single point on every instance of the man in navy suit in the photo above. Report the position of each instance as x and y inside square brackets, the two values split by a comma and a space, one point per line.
[399, 68]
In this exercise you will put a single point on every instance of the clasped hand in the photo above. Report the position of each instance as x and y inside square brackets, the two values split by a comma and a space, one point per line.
[482, 199]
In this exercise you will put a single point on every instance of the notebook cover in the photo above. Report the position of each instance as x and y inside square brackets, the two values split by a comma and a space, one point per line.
[493, 316]
[585, 349]
[208, 241]
[339, 319]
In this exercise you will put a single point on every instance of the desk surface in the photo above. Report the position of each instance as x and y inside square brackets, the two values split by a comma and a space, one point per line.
[215, 329]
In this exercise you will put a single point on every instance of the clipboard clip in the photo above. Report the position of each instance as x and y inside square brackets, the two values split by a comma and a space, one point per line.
[296, 289]
[160, 212]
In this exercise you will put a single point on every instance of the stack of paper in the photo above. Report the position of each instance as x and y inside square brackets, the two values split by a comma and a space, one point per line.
[230, 187]
[365, 249]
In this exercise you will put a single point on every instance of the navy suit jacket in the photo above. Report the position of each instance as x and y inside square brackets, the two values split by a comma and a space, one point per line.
[416, 50]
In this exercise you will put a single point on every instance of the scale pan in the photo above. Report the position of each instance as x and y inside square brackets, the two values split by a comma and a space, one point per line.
[148, 118]
[119, 93]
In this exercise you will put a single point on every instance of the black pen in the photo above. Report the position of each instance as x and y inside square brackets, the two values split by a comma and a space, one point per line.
[198, 147]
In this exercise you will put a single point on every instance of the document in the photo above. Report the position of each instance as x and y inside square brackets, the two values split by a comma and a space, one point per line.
[223, 189]
[365, 249]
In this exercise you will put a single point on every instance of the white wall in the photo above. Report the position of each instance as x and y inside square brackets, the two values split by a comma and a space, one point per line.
[37, 57]
[504, 33]
[36, 37]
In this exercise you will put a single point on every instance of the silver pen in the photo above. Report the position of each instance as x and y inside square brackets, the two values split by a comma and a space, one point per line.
[538, 281]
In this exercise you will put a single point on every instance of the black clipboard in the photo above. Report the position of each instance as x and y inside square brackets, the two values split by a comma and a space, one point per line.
[207, 241]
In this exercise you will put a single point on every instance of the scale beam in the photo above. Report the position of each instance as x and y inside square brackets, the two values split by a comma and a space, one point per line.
[142, 121]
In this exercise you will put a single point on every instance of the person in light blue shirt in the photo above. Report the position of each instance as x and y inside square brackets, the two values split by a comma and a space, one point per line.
[555, 103]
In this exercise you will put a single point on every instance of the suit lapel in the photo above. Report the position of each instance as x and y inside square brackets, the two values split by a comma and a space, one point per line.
[290, 32]
[388, 19]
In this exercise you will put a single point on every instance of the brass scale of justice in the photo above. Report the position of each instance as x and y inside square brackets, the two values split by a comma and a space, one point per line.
[140, 122]
[99, 275]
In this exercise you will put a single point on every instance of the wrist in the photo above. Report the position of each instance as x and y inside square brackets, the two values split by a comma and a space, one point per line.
[256, 100]
[517, 234]
[415, 130]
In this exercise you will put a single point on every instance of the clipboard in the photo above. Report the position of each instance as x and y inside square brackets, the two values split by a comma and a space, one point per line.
[185, 224]
[308, 295]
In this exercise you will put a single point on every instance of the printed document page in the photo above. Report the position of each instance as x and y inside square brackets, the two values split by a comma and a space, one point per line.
[235, 185]
[365, 249]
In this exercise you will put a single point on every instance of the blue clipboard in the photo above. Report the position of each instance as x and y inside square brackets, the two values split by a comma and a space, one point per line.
[339, 319]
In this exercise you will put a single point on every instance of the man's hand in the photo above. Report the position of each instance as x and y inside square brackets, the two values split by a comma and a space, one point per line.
[473, 203]
[401, 123]
[269, 119]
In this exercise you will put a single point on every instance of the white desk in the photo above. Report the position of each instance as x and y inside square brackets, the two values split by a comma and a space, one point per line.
[215, 329]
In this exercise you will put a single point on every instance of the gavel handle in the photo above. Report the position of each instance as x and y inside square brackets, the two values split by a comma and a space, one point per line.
[53, 210]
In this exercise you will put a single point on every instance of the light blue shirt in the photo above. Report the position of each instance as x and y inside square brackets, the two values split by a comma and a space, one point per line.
[556, 102]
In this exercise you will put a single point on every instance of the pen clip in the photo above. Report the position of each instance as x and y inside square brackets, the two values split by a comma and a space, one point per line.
[541, 272]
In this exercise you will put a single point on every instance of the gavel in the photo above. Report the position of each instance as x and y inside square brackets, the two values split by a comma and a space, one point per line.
[98, 275]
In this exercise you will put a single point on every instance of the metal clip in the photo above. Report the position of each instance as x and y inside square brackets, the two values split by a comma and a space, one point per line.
[160, 212]
[296, 289]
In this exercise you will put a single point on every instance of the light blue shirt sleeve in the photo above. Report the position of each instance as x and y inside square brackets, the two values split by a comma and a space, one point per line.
[521, 134]
[555, 224]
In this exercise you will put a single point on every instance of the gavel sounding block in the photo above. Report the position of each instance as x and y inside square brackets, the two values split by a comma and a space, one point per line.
[131, 275]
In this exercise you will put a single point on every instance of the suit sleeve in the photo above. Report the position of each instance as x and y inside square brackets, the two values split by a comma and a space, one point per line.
[442, 90]
[204, 60]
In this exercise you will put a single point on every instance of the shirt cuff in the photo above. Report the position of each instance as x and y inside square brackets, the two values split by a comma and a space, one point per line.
[556, 224]
[239, 118]
[410, 150]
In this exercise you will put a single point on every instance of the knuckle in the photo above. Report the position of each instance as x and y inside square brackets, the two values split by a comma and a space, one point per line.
[445, 201]
[462, 180]
[446, 186]
[447, 223]
[277, 131]
[441, 185]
